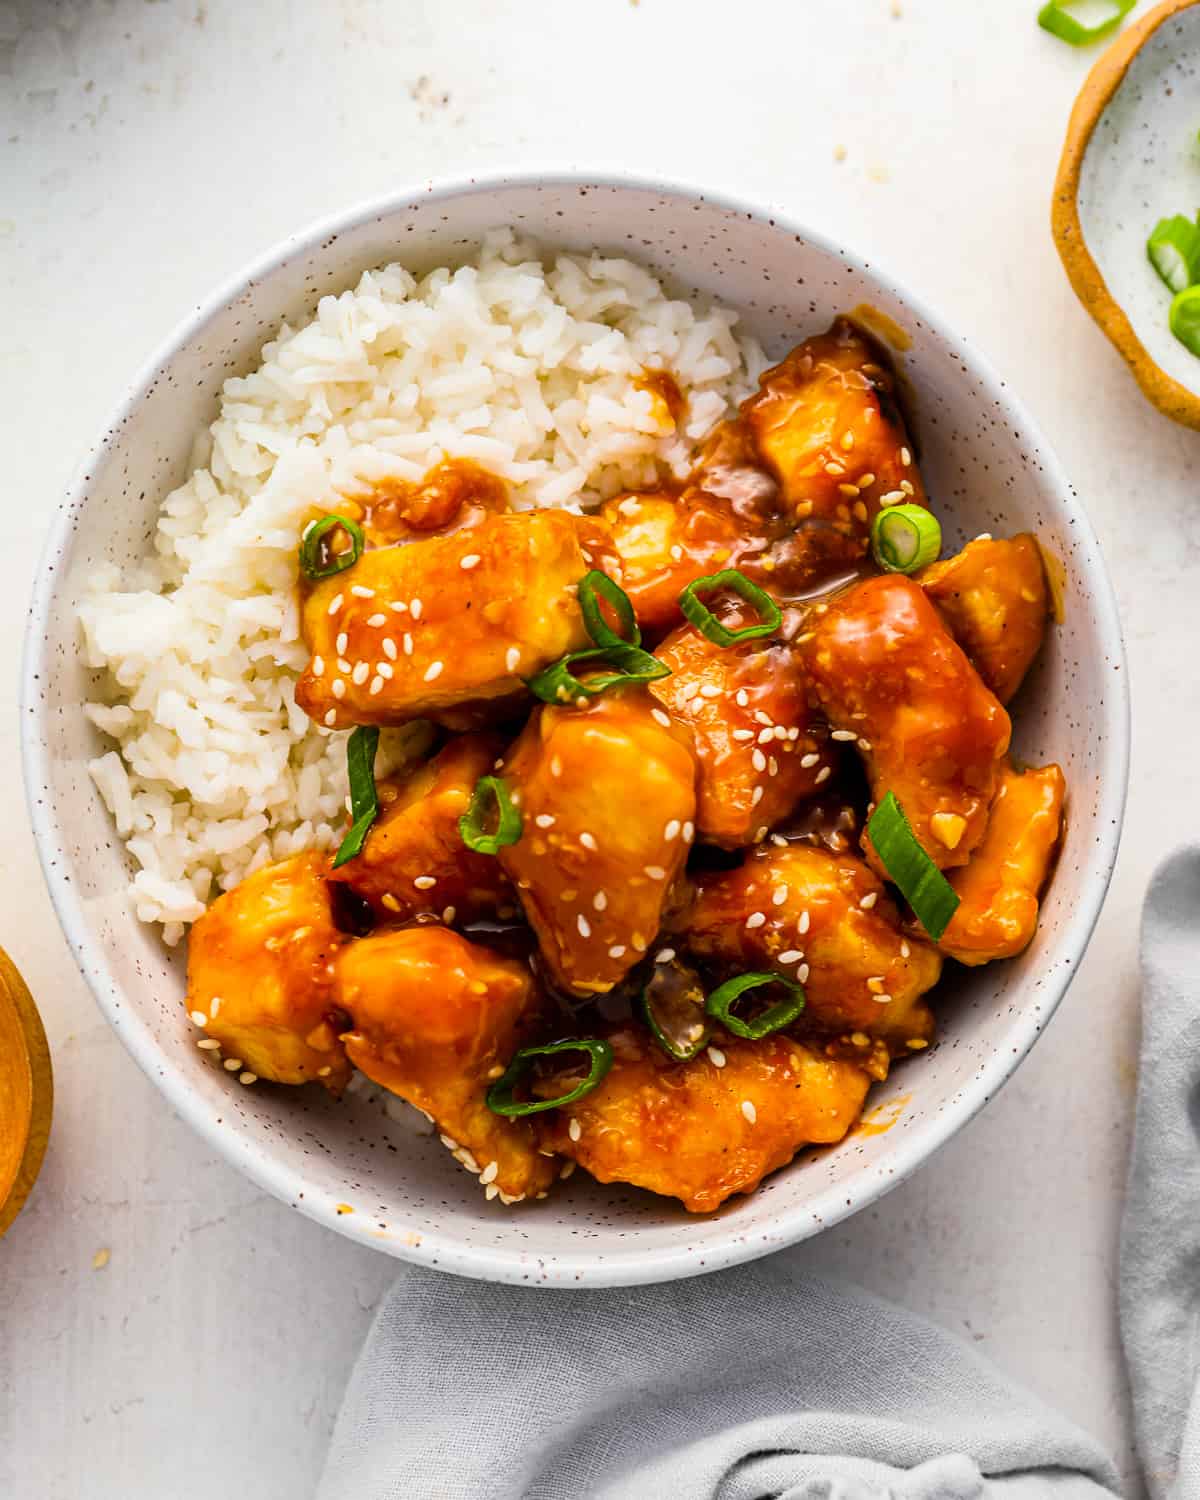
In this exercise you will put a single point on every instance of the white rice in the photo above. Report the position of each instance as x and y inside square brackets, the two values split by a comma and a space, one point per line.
[527, 364]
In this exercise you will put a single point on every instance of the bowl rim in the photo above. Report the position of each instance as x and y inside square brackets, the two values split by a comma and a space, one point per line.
[1170, 396]
[593, 1267]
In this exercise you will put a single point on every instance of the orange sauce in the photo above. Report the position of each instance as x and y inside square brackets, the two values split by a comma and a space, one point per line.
[662, 383]
[879, 1120]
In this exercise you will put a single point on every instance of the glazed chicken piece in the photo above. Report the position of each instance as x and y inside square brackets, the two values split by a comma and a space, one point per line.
[260, 967]
[699, 1131]
[886, 670]
[665, 541]
[452, 496]
[826, 424]
[993, 595]
[747, 709]
[607, 795]
[414, 859]
[826, 921]
[422, 630]
[435, 1019]
[999, 887]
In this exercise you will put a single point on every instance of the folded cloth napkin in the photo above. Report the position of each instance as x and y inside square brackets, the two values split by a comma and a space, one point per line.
[742, 1385]
[1160, 1240]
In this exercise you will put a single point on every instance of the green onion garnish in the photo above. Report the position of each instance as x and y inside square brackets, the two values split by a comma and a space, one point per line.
[921, 883]
[737, 583]
[719, 1005]
[502, 1100]
[364, 800]
[1185, 318]
[558, 684]
[318, 558]
[672, 1006]
[597, 583]
[1174, 251]
[1056, 18]
[905, 538]
[508, 819]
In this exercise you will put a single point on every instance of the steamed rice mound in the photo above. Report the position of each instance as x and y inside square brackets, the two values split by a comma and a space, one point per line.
[527, 364]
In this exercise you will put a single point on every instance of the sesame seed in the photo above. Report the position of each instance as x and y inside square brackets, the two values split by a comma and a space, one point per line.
[743, 734]
[779, 895]
[859, 511]
[586, 839]
[568, 1168]
[600, 900]
[676, 552]
[664, 955]
[388, 900]
[710, 690]
[916, 1043]
[765, 736]
[556, 770]
[865, 481]
[779, 841]
[574, 1129]
[425, 882]
[893, 497]
[209, 1044]
[489, 1172]
[629, 506]
[247, 1078]
[233, 1064]
[660, 718]
[671, 831]
[875, 984]
[847, 441]
[772, 766]
[199, 1018]
[416, 607]
[741, 698]
[491, 1192]
[756, 796]
[360, 674]
[809, 760]
[434, 669]
[385, 670]
[863, 745]
[834, 469]
[585, 927]
[802, 973]
[823, 775]
[342, 643]
[883, 999]
[843, 734]
[376, 621]
[716, 1057]
[905, 950]
[905, 457]
[617, 951]
[758, 760]
[803, 924]
[755, 919]
[749, 1111]
[792, 956]
[376, 686]
[338, 688]
[869, 900]
[689, 831]
[655, 872]
[360, 591]
[448, 1141]
[849, 490]
[335, 604]
[343, 666]
[860, 1038]
[318, 666]
[696, 704]
[761, 717]
[448, 914]
[472, 560]
[512, 658]
[544, 820]
[330, 717]
[398, 606]
[406, 643]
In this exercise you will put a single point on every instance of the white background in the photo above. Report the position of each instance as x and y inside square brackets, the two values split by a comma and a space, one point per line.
[148, 150]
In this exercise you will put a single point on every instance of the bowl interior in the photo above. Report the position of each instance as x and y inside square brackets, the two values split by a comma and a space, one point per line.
[352, 1165]
[1142, 164]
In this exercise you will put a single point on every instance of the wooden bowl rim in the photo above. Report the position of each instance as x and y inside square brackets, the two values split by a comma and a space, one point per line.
[37, 1057]
[1171, 397]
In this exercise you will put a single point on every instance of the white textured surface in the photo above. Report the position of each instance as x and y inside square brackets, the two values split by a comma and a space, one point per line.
[150, 149]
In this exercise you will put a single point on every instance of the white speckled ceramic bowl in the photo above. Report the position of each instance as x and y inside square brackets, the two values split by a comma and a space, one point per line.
[986, 467]
[1131, 158]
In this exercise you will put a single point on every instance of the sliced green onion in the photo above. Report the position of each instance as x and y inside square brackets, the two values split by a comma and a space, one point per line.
[364, 800]
[508, 819]
[720, 1003]
[672, 1005]
[1174, 252]
[1056, 18]
[905, 538]
[558, 683]
[502, 1099]
[1185, 318]
[737, 583]
[922, 884]
[317, 556]
[599, 584]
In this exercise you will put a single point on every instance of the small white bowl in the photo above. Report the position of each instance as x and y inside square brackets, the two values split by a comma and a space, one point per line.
[350, 1165]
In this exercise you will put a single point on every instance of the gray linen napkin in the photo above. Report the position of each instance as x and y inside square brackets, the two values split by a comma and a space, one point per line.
[1160, 1241]
[745, 1384]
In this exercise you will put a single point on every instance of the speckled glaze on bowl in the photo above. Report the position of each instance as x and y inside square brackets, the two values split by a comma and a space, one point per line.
[349, 1165]
[1129, 159]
